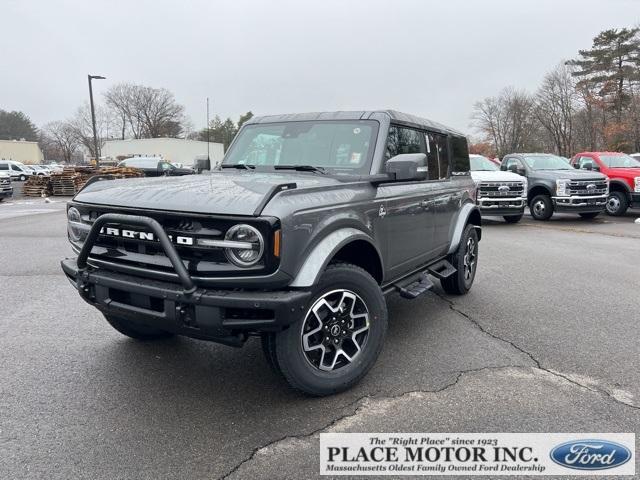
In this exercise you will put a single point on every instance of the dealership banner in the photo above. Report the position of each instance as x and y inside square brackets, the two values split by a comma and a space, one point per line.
[477, 454]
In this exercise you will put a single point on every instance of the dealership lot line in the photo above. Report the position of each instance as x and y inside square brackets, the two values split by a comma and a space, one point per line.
[79, 400]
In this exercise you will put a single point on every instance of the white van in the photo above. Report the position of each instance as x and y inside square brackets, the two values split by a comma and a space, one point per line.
[17, 170]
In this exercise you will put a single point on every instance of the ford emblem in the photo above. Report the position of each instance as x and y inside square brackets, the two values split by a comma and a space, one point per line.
[503, 188]
[591, 186]
[590, 454]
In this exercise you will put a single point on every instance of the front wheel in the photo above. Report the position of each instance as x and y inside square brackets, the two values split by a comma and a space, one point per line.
[512, 218]
[465, 260]
[137, 331]
[617, 204]
[23, 178]
[340, 337]
[541, 207]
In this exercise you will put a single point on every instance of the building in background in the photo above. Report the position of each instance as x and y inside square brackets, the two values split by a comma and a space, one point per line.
[174, 150]
[21, 151]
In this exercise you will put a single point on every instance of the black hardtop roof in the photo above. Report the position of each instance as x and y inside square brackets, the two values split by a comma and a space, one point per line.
[395, 117]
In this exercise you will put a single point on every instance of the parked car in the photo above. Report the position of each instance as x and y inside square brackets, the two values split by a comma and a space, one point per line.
[17, 170]
[555, 186]
[623, 172]
[155, 167]
[500, 193]
[40, 170]
[312, 219]
[6, 190]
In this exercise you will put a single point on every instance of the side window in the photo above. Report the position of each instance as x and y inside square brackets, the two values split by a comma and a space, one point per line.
[404, 140]
[459, 155]
[583, 160]
[512, 161]
[438, 156]
[4, 166]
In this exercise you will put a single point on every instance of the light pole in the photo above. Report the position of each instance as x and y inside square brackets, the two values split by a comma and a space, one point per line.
[93, 118]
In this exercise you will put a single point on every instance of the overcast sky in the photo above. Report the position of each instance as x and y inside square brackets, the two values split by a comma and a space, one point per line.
[426, 57]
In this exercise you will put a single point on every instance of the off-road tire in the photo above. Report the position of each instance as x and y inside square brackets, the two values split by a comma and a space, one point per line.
[458, 283]
[589, 215]
[541, 207]
[137, 331]
[295, 364]
[512, 218]
[617, 204]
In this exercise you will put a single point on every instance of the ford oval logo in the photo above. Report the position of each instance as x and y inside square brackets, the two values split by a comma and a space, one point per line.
[591, 186]
[590, 454]
[503, 188]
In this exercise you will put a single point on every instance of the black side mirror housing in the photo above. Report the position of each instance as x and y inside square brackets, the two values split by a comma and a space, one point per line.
[407, 166]
[587, 165]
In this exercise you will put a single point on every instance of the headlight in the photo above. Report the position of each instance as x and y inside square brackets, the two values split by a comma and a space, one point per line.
[75, 227]
[561, 188]
[250, 245]
[525, 187]
[636, 187]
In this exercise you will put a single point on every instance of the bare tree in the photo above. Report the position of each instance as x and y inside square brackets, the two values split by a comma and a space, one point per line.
[507, 121]
[146, 112]
[61, 138]
[82, 127]
[556, 105]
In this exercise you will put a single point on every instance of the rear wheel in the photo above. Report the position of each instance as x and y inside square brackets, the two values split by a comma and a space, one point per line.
[589, 215]
[340, 337]
[465, 259]
[617, 204]
[23, 178]
[134, 330]
[541, 207]
[512, 218]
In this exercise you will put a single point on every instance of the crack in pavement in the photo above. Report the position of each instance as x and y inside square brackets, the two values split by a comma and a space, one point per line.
[566, 377]
[364, 401]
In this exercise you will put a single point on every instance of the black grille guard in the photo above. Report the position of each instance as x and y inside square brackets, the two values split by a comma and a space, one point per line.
[150, 223]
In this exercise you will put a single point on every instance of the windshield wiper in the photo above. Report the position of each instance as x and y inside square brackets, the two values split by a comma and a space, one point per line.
[301, 168]
[239, 166]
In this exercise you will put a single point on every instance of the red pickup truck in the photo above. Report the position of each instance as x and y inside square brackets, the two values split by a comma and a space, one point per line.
[624, 177]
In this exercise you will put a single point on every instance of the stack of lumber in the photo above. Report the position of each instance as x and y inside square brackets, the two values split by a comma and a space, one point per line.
[71, 180]
[36, 186]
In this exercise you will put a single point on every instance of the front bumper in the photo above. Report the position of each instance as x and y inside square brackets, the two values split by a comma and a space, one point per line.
[580, 204]
[635, 200]
[501, 206]
[224, 316]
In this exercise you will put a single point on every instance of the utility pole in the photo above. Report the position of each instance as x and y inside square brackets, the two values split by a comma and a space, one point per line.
[208, 157]
[93, 118]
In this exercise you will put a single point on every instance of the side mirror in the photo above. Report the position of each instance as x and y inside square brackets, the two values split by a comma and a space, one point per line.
[407, 166]
[587, 165]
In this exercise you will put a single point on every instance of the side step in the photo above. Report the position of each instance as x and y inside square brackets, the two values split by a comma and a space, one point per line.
[415, 288]
[442, 269]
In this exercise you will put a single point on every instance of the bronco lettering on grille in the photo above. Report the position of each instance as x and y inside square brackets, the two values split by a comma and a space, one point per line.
[137, 235]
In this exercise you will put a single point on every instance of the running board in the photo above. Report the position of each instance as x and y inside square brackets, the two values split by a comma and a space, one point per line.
[416, 288]
[441, 270]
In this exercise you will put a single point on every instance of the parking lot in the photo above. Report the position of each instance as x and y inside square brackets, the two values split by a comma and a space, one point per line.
[546, 341]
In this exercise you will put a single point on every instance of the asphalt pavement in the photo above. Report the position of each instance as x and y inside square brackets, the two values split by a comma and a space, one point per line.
[546, 341]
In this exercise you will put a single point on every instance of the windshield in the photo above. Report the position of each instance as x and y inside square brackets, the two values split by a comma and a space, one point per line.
[482, 164]
[546, 162]
[619, 161]
[339, 146]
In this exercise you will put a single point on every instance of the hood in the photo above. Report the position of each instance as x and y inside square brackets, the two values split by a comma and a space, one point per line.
[571, 174]
[624, 172]
[226, 192]
[496, 176]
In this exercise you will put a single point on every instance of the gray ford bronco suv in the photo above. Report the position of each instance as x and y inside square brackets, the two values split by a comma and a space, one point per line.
[310, 222]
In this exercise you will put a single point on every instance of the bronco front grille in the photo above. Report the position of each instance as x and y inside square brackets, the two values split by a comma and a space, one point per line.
[201, 261]
[587, 187]
[501, 189]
